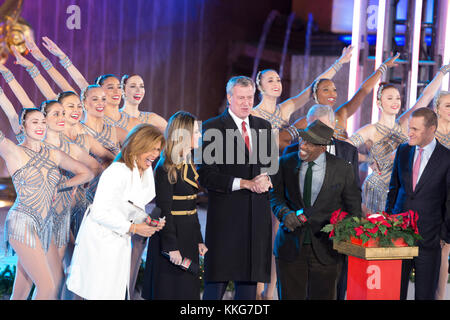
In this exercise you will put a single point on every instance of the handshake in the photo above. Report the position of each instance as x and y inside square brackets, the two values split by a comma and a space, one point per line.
[259, 184]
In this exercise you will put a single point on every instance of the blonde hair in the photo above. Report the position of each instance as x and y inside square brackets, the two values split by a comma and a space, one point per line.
[84, 92]
[179, 132]
[437, 99]
[141, 139]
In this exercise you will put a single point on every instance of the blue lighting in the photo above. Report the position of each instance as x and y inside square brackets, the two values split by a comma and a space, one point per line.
[3, 186]
[372, 39]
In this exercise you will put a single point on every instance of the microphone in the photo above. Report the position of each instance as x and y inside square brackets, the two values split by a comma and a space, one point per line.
[186, 264]
[154, 217]
[155, 213]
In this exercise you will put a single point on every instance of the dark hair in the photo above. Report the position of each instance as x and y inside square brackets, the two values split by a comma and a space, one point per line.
[65, 94]
[46, 105]
[315, 87]
[101, 79]
[429, 116]
[125, 78]
[383, 86]
[25, 112]
[259, 75]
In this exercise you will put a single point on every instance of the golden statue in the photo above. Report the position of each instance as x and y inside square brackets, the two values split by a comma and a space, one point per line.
[13, 29]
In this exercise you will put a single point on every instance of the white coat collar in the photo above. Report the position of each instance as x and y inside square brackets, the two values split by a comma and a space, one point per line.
[142, 190]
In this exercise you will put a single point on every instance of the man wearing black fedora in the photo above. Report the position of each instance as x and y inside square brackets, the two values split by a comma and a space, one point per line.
[309, 186]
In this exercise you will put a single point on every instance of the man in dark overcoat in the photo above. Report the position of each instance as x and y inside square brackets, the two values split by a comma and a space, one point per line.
[237, 160]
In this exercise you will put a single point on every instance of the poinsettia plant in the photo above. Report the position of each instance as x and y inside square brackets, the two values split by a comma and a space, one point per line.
[381, 226]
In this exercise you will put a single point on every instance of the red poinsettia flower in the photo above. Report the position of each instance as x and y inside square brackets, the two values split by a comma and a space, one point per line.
[381, 226]
[359, 231]
[374, 218]
[385, 223]
[334, 216]
[373, 230]
[337, 216]
[413, 216]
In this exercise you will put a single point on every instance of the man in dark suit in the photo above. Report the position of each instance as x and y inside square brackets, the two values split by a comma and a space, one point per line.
[309, 186]
[237, 152]
[340, 149]
[420, 182]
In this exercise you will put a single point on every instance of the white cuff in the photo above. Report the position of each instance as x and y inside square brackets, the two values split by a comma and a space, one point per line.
[236, 184]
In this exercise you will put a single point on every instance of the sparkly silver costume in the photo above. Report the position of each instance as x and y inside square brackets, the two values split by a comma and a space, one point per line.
[30, 215]
[80, 202]
[274, 118]
[376, 186]
[443, 139]
[121, 123]
[61, 209]
[104, 137]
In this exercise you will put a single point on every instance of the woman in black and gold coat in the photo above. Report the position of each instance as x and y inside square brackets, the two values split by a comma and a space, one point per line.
[176, 194]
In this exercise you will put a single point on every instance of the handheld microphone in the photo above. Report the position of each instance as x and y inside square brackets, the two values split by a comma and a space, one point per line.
[186, 264]
[153, 218]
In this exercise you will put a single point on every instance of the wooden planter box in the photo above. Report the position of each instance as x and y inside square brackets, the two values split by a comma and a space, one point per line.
[374, 273]
[376, 253]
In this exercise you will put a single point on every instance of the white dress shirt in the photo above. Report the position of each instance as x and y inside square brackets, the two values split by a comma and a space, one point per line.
[238, 121]
[331, 148]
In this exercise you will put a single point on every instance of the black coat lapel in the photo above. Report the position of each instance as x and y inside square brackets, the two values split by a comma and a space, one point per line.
[228, 120]
[296, 177]
[410, 166]
[432, 164]
[255, 136]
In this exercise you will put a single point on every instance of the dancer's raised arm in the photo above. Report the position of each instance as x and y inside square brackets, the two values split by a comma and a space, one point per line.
[294, 103]
[16, 88]
[35, 74]
[57, 77]
[76, 75]
[268, 83]
[425, 98]
[430, 90]
[324, 92]
[347, 109]
[10, 112]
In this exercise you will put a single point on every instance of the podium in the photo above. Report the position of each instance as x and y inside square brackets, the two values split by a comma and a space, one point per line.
[374, 273]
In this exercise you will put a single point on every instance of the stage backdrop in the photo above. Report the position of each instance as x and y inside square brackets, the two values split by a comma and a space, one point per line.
[179, 47]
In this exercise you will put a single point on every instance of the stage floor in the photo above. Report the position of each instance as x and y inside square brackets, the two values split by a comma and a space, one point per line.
[4, 261]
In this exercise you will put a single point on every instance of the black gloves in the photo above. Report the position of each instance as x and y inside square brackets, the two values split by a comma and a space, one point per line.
[292, 220]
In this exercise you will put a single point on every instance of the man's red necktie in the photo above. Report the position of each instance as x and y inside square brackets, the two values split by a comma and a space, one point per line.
[246, 137]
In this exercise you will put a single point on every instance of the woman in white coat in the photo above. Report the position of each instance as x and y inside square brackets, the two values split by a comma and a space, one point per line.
[100, 267]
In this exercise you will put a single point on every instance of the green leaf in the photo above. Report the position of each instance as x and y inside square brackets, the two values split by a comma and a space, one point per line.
[328, 228]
